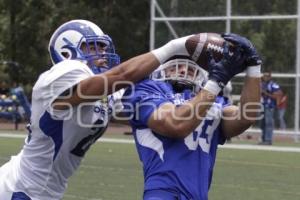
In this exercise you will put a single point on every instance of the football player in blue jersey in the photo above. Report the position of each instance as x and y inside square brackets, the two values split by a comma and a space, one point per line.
[177, 126]
[71, 107]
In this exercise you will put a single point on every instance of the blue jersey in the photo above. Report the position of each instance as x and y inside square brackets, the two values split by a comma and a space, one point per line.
[269, 87]
[184, 166]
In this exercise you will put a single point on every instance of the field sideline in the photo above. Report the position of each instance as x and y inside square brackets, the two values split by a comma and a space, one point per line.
[111, 171]
[226, 146]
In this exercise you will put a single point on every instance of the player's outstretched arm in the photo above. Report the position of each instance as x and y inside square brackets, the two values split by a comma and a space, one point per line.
[130, 71]
[237, 119]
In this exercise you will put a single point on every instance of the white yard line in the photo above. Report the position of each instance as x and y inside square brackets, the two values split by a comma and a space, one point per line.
[12, 135]
[226, 146]
[116, 140]
[260, 147]
[77, 197]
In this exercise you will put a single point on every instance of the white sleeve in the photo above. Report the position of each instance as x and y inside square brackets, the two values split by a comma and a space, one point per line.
[57, 80]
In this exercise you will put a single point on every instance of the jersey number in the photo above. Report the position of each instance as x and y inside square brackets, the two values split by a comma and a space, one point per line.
[83, 146]
[202, 136]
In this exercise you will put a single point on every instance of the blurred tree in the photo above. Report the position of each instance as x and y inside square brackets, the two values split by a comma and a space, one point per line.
[24, 32]
[27, 25]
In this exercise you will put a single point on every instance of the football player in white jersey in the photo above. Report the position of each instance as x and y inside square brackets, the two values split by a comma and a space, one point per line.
[67, 115]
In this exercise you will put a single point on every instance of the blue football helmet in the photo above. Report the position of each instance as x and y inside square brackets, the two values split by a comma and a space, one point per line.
[75, 39]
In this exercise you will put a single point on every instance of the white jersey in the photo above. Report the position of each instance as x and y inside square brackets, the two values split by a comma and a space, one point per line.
[58, 140]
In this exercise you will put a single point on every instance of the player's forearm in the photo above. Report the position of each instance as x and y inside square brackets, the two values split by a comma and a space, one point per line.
[187, 117]
[99, 86]
[238, 119]
[199, 106]
[121, 76]
[250, 101]
[136, 68]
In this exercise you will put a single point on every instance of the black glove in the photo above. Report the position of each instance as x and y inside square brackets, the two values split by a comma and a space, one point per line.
[252, 57]
[231, 64]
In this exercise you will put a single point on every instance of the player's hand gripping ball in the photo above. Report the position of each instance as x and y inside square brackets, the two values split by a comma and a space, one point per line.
[199, 44]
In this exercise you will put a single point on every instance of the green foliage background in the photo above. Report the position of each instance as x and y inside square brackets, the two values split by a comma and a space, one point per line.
[26, 26]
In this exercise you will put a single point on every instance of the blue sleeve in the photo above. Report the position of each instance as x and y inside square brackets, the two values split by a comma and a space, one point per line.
[142, 100]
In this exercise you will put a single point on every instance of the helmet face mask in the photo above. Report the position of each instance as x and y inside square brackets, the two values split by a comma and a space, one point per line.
[101, 48]
[83, 40]
[183, 73]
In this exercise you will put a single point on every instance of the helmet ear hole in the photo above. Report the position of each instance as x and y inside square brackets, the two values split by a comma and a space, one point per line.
[65, 54]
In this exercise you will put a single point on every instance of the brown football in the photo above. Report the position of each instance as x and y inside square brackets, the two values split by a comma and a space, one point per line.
[198, 45]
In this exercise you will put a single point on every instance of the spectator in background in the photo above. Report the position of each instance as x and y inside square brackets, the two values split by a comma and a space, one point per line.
[281, 108]
[270, 94]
